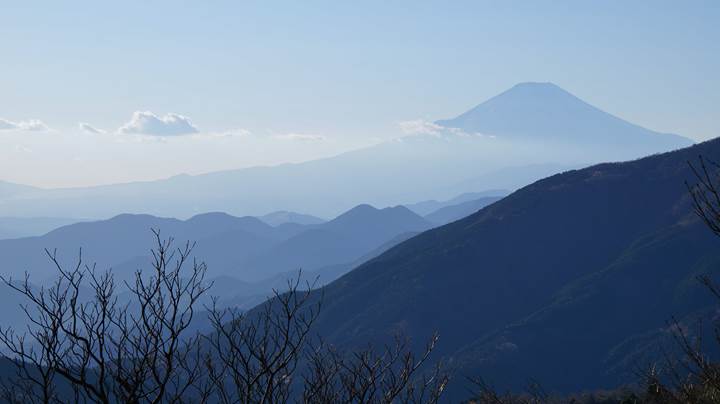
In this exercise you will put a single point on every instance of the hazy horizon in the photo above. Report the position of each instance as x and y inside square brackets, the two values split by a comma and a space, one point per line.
[100, 94]
[188, 138]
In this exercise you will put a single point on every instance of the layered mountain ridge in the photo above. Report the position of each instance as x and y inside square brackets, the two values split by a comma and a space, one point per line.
[555, 282]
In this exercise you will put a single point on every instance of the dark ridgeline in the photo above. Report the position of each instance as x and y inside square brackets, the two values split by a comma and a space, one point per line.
[570, 280]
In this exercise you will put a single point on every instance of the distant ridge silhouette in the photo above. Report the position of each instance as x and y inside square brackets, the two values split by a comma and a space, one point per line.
[245, 248]
[282, 216]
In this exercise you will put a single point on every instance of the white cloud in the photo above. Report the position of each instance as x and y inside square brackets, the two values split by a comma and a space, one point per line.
[423, 127]
[86, 127]
[147, 123]
[301, 137]
[238, 132]
[225, 134]
[32, 125]
[420, 127]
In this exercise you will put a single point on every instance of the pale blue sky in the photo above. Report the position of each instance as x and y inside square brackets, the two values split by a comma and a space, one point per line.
[345, 72]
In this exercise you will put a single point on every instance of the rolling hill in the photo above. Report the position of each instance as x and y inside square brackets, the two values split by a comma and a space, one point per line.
[561, 281]
[339, 241]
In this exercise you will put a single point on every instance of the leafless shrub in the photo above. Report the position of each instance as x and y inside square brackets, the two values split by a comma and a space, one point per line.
[103, 350]
[366, 376]
[83, 345]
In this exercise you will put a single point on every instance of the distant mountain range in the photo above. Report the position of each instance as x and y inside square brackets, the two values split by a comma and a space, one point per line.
[425, 208]
[498, 144]
[455, 208]
[545, 112]
[569, 281]
[283, 216]
[247, 257]
[339, 241]
[245, 248]
[8, 189]
[452, 213]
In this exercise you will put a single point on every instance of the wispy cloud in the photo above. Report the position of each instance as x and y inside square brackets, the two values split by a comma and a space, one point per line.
[301, 137]
[423, 127]
[147, 123]
[420, 127]
[86, 127]
[32, 125]
[225, 134]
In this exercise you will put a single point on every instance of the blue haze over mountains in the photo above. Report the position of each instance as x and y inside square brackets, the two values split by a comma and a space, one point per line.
[246, 256]
[542, 254]
[238, 250]
[530, 131]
